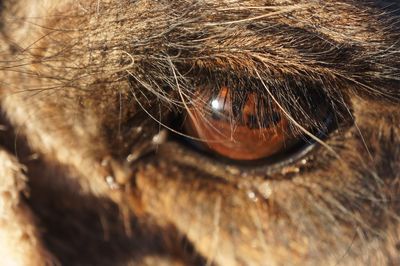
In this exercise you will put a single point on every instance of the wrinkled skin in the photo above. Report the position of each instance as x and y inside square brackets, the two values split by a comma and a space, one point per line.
[89, 177]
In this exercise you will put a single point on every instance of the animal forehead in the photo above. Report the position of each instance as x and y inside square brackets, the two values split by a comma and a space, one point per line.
[341, 20]
[225, 33]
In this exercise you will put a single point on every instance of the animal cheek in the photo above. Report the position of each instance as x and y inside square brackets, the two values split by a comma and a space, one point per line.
[219, 219]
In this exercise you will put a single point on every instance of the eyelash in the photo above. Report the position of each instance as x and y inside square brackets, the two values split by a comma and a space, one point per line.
[264, 112]
[301, 99]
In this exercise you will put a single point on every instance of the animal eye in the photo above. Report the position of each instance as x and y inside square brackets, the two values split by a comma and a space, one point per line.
[235, 128]
[246, 125]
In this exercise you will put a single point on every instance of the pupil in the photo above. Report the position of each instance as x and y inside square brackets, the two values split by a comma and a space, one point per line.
[242, 112]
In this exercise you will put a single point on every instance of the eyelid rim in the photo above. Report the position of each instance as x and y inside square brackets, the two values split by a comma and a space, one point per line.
[263, 167]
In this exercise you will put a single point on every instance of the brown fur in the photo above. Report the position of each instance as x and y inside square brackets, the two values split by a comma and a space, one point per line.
[89, 86]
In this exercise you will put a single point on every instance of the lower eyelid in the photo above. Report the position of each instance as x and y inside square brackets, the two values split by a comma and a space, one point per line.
[234, 171]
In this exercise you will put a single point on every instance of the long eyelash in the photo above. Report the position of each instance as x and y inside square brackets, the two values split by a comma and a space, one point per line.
[183, 88]
[318, 140]
[164, 125]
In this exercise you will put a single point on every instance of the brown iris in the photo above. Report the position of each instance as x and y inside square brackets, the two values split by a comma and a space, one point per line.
[241, 129]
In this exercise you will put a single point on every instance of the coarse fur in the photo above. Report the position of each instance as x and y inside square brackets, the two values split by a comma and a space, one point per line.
[91, 172]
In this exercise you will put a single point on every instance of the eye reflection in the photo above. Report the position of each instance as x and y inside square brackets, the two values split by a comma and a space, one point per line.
[240, 128]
